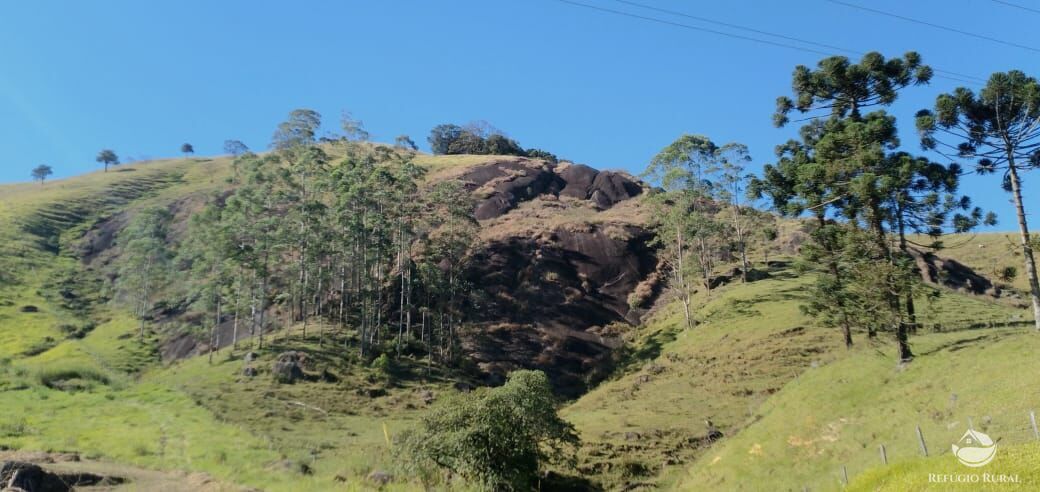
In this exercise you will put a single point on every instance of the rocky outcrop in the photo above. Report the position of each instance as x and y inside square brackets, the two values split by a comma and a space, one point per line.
[953, 274]
[550, 298]
[502, 184]
[288, 367]
[20, 476]
[554, 289]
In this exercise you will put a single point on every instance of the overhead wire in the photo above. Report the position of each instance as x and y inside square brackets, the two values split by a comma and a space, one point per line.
[945, 74]
[934, 25]
[781, 36]
[1017, 6]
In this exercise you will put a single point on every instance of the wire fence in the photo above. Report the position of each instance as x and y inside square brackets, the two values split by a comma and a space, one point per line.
[934, 434]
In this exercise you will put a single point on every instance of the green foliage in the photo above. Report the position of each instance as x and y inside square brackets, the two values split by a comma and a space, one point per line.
[41, 173]
[1007, 274]
[107, 157]
[187, 148]
[498, 438]
[405, 142]
[353, 128]
[384, 364]
[844, 171]
[235, 147]
[55, 376]
[476, 138]
[146, 259]
[300, 128]
[542, 154]
[844, 89]
[1000, 129]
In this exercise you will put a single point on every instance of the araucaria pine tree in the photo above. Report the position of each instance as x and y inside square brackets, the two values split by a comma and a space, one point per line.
[863, 194]
[1000, 129]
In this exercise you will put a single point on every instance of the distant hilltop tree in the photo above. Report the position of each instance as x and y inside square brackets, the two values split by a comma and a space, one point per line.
[235, 147]
[542, 154]
[187, 149]
[41, 172]
[479, 138]
[299, 129]
[353, 128]
[107, 157]
[405, 142]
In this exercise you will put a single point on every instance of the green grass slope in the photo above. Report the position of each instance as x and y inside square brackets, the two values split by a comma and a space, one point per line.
[841, 413]
[752, 348]
[75, 376]
[1016, 460]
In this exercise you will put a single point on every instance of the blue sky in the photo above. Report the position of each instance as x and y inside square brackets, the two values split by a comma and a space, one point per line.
[607, 90]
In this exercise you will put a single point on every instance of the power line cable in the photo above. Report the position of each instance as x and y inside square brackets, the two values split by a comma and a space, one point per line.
[936, 26]
[961, 78]
[695, 28]
[1017, 6]
[773, 34]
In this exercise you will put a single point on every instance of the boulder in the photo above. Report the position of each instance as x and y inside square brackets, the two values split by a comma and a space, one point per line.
[288, 367]
[380, 477]
[249, 372]
[579, 179]
[610, 187]
[28, 477]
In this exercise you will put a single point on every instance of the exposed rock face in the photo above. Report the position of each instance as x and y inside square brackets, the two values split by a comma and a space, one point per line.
[21, 476]
[502, 184]
[551, 288]
[953, 274]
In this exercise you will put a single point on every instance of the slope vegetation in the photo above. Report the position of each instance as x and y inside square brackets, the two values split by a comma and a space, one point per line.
[757, 391]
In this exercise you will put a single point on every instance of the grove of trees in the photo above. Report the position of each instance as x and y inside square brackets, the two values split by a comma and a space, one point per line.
[699, 217]
[361, 244]
[864, 194]
[479, 138]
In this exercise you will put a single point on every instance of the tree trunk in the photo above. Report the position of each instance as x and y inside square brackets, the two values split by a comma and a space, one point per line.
[684, 293]
[1027, 248]
[212, 332]
[902, 335]
[832, 265]
[911, 312]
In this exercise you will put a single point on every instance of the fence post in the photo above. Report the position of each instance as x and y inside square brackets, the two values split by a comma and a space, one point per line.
[884, 455]
[1032, 420]
[920, 440]
[845, 474]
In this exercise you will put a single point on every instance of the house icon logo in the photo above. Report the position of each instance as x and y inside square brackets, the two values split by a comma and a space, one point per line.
[975, 449]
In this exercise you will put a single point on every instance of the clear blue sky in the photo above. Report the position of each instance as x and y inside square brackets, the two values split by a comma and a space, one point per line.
[144, 77]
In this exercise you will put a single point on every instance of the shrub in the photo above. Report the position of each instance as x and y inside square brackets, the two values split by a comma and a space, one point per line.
[383, 363]
[497, 438]
[54, 377]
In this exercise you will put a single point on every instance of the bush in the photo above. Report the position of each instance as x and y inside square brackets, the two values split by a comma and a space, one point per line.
[497, 438]
[383, 364]
[542, 154]
[453, 139]
[55, 377]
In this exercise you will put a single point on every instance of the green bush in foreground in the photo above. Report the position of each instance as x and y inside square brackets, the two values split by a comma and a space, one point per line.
[496, 438]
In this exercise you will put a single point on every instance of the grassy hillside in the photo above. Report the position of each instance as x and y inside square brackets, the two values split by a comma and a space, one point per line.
[75, 376]
[839, 414]
[791, 404]
[1015, 459]
[752, 351]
